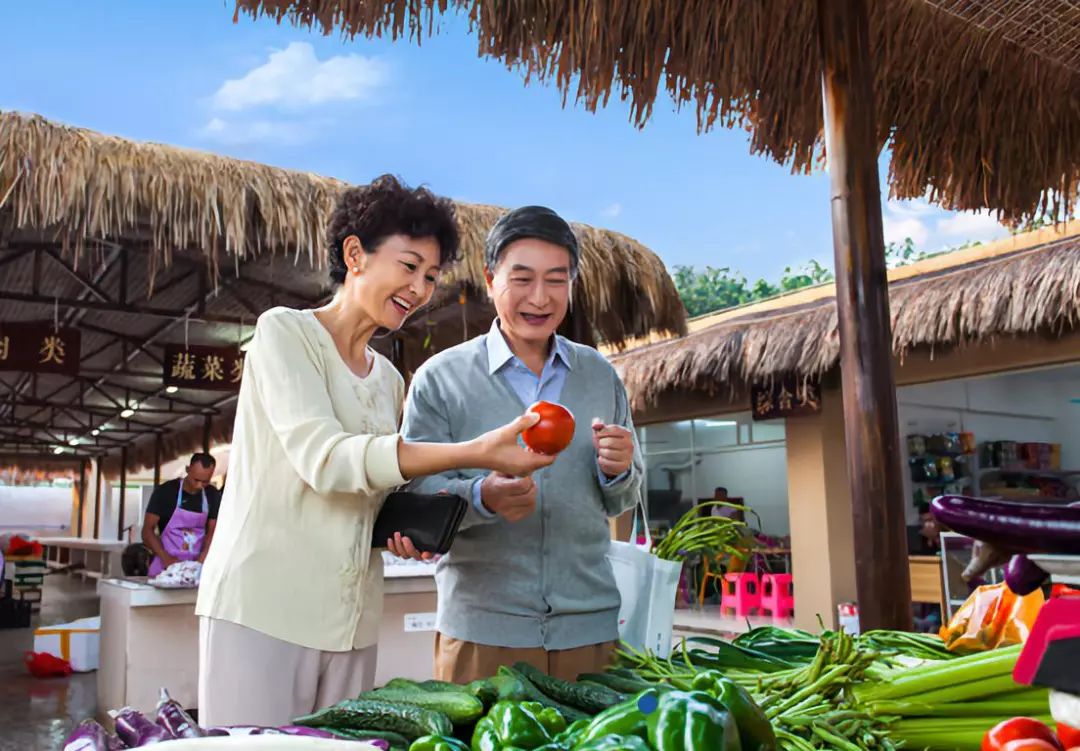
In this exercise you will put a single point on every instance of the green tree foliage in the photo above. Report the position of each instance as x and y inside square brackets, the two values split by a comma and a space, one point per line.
[712, 289]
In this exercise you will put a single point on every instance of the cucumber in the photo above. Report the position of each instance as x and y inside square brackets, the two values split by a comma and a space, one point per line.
[397, 741]
[588, 699]
[485, 691]
[618, 683]
[459, 706]
[532, 693]
[408, 720]
[445, 686]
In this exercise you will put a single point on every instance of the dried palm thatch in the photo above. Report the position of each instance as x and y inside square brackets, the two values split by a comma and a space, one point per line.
[980, 99]
[73, 184]
[1028, 292]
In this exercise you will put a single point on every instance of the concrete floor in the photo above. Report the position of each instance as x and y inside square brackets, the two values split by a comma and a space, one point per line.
[37, 714]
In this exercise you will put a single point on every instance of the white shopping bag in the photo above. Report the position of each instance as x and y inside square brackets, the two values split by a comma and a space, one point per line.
[648, 587]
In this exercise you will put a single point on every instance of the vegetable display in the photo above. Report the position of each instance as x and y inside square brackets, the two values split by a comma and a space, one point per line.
[553, 432]
[771, 689]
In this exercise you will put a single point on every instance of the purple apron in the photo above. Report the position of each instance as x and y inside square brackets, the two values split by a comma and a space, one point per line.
[183, 536]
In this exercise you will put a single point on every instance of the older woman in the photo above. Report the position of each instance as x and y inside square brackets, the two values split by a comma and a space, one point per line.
[291, 592]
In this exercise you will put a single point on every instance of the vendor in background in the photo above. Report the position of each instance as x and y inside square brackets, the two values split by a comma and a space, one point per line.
[181, 516]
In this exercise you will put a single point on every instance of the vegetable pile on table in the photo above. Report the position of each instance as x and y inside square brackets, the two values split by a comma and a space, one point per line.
[769, 689]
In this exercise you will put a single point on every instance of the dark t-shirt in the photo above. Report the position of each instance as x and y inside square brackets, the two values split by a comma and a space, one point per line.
[163, 502]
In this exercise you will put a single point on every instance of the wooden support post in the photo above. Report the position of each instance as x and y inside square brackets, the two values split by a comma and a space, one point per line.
[207, 422]
[97, 496]
[123, 493]
[871, 426]
[82, 497]
[157, 460]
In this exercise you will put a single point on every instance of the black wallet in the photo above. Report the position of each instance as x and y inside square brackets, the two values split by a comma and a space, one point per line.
[430, 521]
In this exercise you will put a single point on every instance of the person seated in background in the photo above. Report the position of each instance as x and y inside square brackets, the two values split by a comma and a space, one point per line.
[181, 516]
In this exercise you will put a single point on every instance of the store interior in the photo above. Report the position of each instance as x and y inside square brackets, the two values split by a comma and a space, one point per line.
[1014, 435]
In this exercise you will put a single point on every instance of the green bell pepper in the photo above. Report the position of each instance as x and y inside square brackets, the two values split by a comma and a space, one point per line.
[573, 733]
[615, 743]
[755, 731]
[690, 721]
[438, 743]
[628, 718]
[509, 725]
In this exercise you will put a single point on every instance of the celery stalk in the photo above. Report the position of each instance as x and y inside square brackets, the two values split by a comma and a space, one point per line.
[963, 670]
[1024, 704]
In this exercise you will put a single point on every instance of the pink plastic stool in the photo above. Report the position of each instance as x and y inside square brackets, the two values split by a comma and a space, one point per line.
[777, 596]
[742, 595]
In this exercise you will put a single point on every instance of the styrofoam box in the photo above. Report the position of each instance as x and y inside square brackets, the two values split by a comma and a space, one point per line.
[77, 642]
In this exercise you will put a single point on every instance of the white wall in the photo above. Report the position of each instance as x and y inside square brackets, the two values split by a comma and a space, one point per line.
[758, 475]
[38, 511]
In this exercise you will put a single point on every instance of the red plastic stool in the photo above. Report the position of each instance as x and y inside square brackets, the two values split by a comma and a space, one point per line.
[741, 596]
[777, 596]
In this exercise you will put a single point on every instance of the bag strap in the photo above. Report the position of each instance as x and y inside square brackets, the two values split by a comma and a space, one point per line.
[640, 506]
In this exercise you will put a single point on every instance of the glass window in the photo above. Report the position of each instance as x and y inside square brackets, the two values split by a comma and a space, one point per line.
[768, 430]
[666, 436]
[715, 433]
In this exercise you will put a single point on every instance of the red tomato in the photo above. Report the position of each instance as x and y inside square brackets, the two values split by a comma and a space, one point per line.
[554, 431]
[1069, 736]
[1019, 731]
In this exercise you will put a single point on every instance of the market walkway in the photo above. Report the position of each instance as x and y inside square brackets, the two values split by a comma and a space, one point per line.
[35, 714]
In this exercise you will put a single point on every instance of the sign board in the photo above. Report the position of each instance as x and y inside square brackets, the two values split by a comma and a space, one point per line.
[33, 347]
[201, 367]
[787, 396]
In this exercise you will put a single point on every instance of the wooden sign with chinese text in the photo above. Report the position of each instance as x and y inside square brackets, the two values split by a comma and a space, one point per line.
[39, 348]
[201, 367]
[785, 397]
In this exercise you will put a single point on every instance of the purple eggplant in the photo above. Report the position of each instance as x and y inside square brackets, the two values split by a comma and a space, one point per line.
[90, 736]
[172, 717]
[1012, 527]
[135, 730]
[1022, 576]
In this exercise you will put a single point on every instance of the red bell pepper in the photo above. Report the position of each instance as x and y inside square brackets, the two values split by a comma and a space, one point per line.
[1001, 736]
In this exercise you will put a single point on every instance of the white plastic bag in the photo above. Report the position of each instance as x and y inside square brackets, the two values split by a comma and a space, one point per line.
[648, 587]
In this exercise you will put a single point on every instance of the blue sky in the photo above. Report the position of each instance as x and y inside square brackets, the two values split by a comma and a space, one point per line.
[184, 74]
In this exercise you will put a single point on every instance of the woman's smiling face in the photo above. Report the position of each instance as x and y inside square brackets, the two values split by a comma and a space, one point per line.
[392, 281]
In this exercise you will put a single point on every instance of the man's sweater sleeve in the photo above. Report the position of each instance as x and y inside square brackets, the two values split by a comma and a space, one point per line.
[426, 420]
[626, 491]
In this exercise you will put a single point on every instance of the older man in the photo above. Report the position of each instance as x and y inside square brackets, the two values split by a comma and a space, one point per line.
[527, 578]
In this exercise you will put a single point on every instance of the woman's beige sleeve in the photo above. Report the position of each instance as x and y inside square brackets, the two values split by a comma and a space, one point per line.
[298, 407]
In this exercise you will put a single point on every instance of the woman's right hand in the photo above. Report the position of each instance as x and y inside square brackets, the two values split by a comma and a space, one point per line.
[501, 452]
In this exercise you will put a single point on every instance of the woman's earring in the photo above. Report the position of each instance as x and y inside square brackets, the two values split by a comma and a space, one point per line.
[356, 269]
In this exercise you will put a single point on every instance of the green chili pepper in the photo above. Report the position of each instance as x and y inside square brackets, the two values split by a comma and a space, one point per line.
[627, 718]
[511, 725]
[438, 743]
[755, 730]
[690, 721]
[615, 743]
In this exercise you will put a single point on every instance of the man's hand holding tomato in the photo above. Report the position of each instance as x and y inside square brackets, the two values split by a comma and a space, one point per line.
[512, 498]
[614, 446]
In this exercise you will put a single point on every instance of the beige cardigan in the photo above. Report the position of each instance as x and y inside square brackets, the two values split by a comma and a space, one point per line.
[314, 453]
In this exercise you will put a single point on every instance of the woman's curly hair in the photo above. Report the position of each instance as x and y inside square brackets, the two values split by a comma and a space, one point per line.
[389, 207]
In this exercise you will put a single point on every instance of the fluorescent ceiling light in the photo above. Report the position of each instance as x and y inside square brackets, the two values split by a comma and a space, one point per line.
[127, 412]
[171, 390]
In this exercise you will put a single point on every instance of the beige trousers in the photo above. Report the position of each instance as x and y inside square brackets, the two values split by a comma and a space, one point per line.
[459, 661]
[249, 678]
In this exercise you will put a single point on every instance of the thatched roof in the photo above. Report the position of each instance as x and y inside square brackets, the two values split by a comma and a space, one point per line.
[1020, 286]
[75, 203]
[82, 185]
[979, 99]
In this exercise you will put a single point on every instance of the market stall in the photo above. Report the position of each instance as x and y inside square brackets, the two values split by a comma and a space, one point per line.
[137, 619]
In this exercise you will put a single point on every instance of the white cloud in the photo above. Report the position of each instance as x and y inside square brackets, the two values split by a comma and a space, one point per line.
[612, 211]
[975, 226]
[907, 219]
[294, 78]
[258, 131]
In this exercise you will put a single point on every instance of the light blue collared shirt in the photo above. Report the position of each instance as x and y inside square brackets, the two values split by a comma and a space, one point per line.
[528, 386]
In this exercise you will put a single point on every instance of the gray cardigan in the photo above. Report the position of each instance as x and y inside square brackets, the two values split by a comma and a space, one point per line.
[543, 581]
